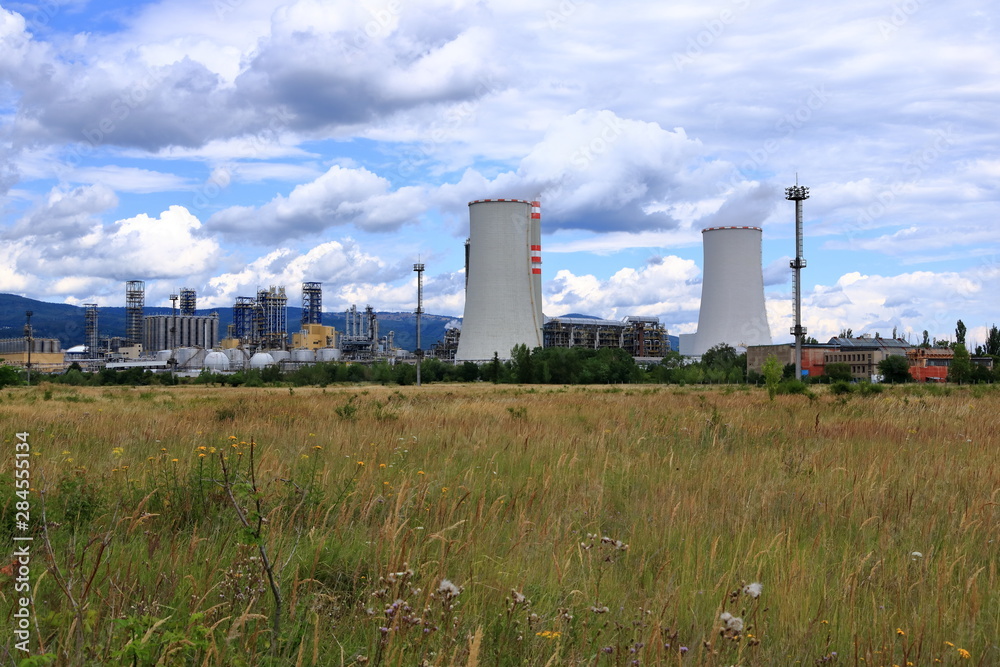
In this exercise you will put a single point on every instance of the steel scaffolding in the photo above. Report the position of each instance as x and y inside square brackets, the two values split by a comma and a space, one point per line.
[189, 301]
[312, 303]
[135, 301]
[90, 333]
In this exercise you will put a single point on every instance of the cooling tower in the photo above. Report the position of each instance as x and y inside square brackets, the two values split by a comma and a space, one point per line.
[732, 292]
[503, 295]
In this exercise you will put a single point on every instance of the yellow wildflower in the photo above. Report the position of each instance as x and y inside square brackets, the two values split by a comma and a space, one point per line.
[963, 654]
[899, 631]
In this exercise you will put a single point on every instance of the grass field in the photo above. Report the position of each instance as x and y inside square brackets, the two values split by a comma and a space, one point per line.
[506, 525]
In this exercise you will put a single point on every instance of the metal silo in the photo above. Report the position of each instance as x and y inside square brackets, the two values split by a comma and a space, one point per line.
[503, 296]
[732, 292]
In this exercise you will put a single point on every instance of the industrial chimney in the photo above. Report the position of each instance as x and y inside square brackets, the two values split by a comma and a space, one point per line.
[503, 296]
[732, 292]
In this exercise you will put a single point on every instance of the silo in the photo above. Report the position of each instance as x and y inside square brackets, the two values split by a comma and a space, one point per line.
[732, 292]
[503, 305]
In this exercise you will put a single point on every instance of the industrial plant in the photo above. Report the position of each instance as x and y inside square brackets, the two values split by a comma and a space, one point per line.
[503, 309]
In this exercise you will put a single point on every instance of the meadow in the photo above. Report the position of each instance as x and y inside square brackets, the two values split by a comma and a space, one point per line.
[499, 525]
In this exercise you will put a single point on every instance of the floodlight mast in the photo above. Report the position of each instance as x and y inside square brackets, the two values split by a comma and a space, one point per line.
[419, 268]
[798, 193]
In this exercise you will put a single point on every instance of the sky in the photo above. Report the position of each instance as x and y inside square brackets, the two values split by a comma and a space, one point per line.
[227, 145]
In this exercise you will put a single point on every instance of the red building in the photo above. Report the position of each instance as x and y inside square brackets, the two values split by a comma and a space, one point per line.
[930, 364]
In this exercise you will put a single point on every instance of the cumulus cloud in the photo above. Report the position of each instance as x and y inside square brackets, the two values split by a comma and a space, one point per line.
[665, 287]
[333, 263]
[169, 246]
[338, 197]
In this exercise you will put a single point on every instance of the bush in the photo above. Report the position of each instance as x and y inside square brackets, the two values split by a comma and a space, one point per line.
[793, 387]
[841, 387]
[869, 389]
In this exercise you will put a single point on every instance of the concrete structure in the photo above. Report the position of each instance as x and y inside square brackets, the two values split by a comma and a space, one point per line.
[503, 296]
[166, 332]
[732, 292]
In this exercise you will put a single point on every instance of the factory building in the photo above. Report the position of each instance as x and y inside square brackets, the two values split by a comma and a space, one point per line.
[46, 353]
[167, 332]
[813, 357]
[641, 337]
[930, 364]
[732, 292]
[503, 295]
[314, 337]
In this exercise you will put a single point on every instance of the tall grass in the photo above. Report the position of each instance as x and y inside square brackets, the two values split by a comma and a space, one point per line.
[573, 525]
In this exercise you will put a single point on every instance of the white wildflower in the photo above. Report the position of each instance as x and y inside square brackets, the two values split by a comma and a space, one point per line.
[448, 589]
[754, 590]
[733, 623]
[915, 555]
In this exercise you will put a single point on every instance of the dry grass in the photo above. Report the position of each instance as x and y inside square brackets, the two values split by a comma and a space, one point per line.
[506, 491]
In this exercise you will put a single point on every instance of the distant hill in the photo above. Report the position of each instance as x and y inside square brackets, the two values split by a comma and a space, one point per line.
[66, 322]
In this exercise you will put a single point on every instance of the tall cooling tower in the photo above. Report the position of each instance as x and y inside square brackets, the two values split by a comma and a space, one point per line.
[503, 295]
[732, 292]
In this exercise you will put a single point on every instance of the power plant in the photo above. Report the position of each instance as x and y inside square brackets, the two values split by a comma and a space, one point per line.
[503, 295]
[732, 292]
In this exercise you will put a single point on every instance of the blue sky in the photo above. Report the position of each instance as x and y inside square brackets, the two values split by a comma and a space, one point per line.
[234, 144]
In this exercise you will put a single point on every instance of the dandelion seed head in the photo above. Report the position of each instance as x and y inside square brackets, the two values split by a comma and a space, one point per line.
[754, 590]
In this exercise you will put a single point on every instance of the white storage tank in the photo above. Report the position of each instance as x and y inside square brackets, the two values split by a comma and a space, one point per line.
[261, 360]
[303, 355]
[279, 355]
[185, 355]
[328, 354]
[216, 361]
[237, 358]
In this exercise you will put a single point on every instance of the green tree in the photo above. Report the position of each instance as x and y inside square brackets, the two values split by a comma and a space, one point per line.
[927, 339]
[895, 368]
[838, 371]
[8, 376]
[960, 370]
[993, 341]
[772, 375]
[960, 332]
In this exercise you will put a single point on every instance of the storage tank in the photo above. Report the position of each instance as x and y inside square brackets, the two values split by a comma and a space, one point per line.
[184, 355]
[503, 300]
[237, 358]
[328, 354]
[216, 361]
[732, 292]
[164, 355]
[303, 355]
[279, 355]
[261, 360]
